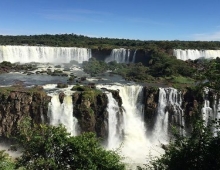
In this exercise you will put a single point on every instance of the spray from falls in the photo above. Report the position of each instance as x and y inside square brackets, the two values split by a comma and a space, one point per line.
[27, 54]
[195, 54]
[121, 56]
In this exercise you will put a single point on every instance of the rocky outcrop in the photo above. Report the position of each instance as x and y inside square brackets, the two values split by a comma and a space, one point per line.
[150, 101]
[90, 110]
[18, 104]
[192, 102]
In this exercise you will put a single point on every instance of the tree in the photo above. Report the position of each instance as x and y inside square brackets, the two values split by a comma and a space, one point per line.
[52, 148]
[199, 151]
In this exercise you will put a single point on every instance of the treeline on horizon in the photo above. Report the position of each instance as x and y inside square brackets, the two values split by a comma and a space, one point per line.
[73, 40]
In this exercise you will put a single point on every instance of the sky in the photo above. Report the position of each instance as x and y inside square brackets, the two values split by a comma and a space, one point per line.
[130, 19]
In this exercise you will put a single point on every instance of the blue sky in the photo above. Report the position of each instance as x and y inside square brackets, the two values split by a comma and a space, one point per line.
[130, 19]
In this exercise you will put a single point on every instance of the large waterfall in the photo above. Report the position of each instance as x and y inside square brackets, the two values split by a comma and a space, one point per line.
[134, 145]
[62, 113]
[195, 54]
[27, 54]
[126, 127]
[121, 56]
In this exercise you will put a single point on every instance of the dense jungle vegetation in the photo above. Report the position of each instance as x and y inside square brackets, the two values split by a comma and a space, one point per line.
[73, 40]
[163, 68]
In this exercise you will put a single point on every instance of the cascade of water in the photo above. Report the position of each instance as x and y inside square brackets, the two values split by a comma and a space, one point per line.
[195, 54]
[216, 106]
[134, 56]
[27, 54]
[121, 56]
[207, 112]
[114, 125]
[169, 111]
[135, 146]
[63, 113]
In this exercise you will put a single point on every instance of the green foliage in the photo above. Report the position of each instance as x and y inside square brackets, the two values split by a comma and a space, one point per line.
[163, 65]
[81, 88]
[198, 151]
[6, 162]
[94, 66]
[134, 72]
[21, 88]
[49, 147]
[73, 40]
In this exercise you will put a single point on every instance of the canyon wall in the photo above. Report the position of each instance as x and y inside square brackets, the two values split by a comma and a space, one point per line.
[17, 104]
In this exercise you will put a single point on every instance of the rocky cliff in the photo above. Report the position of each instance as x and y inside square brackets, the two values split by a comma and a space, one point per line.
[142, 56]
[90, 109]
[17, 103]
[192, 103]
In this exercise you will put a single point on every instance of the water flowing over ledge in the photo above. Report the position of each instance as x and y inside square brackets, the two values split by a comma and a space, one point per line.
[27, 54]
[121, 56]
[195, 54]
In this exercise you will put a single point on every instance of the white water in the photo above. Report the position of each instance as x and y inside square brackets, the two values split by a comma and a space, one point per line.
[195, 54]
[135, 146]
[168, 97]
[27, 54]
[207, 112]
[63, 113]
[121, 55]
[114, 124]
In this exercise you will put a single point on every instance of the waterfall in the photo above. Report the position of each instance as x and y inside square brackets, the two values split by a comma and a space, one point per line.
[208, 113]
[135, 145]
[62, 113]
[134, 55]
[195, 54]
[114, 123]
[121, 55]
[27, 54]
[169, 111]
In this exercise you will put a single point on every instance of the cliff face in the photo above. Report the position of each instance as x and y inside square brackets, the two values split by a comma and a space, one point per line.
[101, 54]
[150, 101]
[192, 104]
[16, 105]
[90, 108]
[91, 112]
[142, 56]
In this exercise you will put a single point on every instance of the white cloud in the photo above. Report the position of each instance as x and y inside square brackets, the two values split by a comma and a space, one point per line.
[214, 36]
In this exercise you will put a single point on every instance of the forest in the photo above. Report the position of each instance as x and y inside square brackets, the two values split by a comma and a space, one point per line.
[73, 40]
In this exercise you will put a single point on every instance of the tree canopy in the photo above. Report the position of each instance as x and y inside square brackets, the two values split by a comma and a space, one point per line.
[74, 40]
[52, 148]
